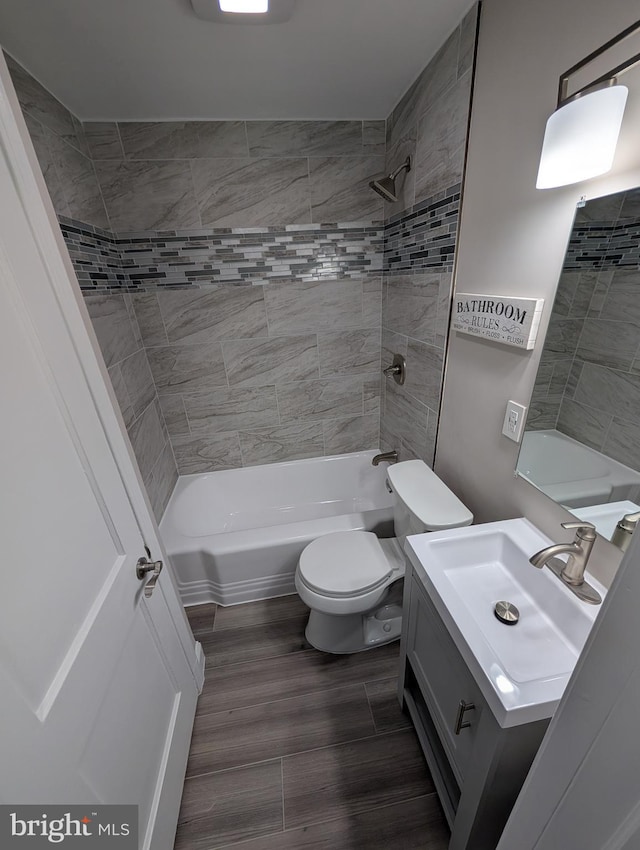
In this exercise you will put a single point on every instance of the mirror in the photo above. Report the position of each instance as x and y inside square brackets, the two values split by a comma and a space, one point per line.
[581, 445]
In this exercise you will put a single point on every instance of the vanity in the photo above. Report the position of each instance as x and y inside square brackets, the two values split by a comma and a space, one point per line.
[480, 691]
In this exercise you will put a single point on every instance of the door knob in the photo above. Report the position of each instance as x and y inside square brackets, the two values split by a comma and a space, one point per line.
[143, 567]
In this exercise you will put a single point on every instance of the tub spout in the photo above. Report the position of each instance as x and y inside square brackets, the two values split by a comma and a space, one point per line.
[391, 457]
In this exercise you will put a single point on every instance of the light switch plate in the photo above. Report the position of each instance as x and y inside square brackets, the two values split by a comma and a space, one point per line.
[514, 421]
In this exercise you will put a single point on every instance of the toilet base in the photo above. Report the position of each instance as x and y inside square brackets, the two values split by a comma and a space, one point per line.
[347, 633]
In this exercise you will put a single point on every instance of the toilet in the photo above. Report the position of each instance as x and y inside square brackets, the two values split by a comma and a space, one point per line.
[351, 579]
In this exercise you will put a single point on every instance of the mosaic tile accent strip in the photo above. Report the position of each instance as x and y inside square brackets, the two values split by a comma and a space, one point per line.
[604, 244]
[148, 261]
[424, 237]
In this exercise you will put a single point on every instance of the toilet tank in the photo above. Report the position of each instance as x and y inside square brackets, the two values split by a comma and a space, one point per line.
[422, 502]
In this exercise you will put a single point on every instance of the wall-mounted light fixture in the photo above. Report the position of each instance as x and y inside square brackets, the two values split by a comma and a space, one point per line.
[244, 7]
[581, 136]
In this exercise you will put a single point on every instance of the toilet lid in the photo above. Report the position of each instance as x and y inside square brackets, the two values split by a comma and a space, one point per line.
[344, 563]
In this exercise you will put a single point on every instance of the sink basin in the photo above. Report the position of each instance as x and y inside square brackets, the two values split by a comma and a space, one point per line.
[522, 669]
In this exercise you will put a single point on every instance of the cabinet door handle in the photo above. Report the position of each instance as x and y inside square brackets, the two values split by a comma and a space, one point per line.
[462, 708]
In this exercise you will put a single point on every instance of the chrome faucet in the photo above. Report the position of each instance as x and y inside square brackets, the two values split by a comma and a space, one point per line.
[571, 573]
[391, 457]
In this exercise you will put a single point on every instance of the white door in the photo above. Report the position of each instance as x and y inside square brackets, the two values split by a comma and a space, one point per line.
[98, 683]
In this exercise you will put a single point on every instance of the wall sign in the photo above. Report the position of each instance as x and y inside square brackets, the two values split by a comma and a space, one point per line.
[510, 321]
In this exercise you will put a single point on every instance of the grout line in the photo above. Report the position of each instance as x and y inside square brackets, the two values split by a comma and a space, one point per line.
[372, 737]
[284, 825]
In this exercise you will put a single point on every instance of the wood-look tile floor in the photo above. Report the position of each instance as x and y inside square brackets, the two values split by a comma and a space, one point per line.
[293, 748]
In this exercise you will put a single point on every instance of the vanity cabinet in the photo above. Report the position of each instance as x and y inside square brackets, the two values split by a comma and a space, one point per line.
[478, 767]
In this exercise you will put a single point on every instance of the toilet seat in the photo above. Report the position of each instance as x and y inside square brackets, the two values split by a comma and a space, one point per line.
[345, 564]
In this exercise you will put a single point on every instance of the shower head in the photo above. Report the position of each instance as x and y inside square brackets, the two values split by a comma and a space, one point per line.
[386, 186]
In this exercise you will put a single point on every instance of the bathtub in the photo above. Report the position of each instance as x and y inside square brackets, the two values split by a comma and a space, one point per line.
[236, 535]
[573, 474]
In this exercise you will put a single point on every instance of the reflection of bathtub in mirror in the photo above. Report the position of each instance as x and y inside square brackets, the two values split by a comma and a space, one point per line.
[573, 474]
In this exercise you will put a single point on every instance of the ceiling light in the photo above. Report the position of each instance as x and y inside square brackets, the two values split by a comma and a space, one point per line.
[245, 7]
[581, 136]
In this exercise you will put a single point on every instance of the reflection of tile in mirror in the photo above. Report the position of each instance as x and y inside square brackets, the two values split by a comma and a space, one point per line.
[608, 343]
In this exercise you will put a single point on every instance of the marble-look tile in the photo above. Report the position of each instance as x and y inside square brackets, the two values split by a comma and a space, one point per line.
[621, 301]
[231, 805]
[148, 438]
[138, 381]
[630, 205]
[40, 140]
[111, 323]
[606, 208]
[278, 360]
[148, 195]
[323, 399]
[583, 423]
[372, 291]
[206, 453]
[441, 138]
[439, 75]
[128, 302]
[574, 376]
[445, 292]
[103, 140]
[122, 395]
[372, 390]
[583, 295]
[608, 343]
[425, 368]
[406, 418]
[260, 613]
[392, 343]
[252, 192]
[349, 352]
[352, 434]
[542, 414]
[410, 305]
[340, 188]
[161, 481]
[558, 381]
[383, 699]
[175, 416]
[374, 137]
[215, 313]
[562, 338]
[281, 442]
[187, 368]
[80, 140]
[417, 824]
[565, 291]
[183, 139]
[467, 45]
[305, 138]
[230, 408]
[309, 306]
[349, 778]
[79, 183]
[40, 103]
[608, 390]
[600, 293]
[147, 310]
[397, 153]
[257, 733]
[623, 443]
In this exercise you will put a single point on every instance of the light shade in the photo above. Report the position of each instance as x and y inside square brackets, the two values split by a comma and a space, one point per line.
[581, 137]
[245, 7]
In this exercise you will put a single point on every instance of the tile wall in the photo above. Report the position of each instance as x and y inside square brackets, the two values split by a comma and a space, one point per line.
[588, 383]
[430, 125]
[251, 254]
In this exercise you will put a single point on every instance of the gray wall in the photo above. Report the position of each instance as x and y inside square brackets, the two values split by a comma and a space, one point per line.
[513, 239]
[430, 125]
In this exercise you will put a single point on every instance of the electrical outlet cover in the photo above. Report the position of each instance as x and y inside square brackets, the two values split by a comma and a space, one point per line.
[514, 418]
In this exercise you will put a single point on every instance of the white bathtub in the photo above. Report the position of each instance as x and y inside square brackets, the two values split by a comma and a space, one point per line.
[573, 474]
[236, 535]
